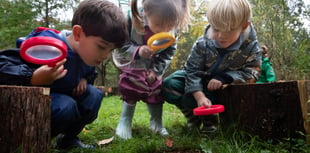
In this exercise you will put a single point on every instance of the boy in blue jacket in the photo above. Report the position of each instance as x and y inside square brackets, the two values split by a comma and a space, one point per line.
[98, 27]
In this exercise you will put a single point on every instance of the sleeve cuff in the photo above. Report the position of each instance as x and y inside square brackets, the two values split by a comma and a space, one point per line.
[224, 78]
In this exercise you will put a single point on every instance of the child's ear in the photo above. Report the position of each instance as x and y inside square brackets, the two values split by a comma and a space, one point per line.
[77, 32]
[245, 26]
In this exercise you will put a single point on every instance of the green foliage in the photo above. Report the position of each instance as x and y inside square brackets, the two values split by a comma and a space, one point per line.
[16, 20]
[280, 29]
[187, 39]
[50, 11]
[107, 74]
[19, 17]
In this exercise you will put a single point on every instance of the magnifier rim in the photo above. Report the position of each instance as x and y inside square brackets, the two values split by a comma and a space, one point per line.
[43, 40]
[161, 35]
[203, 110]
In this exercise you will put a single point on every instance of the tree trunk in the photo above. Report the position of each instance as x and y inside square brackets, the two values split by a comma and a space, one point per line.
[271, 110]
[25, 119]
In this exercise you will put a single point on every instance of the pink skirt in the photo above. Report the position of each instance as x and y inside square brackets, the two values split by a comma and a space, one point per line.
[134, 87]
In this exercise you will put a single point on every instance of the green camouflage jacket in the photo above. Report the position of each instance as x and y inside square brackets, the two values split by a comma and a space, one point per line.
[229, 66]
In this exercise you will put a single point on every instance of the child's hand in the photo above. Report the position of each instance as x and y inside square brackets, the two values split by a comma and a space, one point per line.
[214, 85]
[201, 99]
[46, 75]
[81, 88]
[145, 51]
[151, 76]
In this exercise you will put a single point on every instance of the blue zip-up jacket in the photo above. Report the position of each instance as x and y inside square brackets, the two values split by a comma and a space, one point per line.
[16, 71]
[229, 66]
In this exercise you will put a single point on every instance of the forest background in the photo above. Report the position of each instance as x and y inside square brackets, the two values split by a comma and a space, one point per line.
[282, 25]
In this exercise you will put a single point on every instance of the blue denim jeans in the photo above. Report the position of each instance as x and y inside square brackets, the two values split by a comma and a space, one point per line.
[70, 115]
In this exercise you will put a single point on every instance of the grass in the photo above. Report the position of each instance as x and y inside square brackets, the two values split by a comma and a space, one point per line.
[185, 140]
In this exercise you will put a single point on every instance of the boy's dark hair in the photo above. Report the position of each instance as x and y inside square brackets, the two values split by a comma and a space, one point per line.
[102, 18]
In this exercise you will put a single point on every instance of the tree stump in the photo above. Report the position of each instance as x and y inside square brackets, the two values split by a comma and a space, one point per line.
[270, 110]
[25, 119]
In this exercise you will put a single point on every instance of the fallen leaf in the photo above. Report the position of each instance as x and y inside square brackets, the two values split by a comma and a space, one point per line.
[169, 142]
[105, 141]
[85, 130]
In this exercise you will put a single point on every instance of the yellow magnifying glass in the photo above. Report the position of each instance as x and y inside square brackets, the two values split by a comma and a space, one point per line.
[160, 40]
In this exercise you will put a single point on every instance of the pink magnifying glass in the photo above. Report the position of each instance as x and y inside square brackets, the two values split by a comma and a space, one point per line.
[207, 111]
[43, 50]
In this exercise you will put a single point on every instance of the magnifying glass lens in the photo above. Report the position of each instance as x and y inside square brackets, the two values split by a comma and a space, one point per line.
[121, 59]
[160, 42]
[43, 52]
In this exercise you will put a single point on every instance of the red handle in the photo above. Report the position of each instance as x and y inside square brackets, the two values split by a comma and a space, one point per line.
[207, 111]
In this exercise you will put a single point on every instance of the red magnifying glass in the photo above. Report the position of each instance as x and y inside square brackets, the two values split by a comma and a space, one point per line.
[43, 50]
[207, 111]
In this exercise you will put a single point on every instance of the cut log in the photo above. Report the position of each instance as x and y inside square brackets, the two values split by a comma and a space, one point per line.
[25, 119]
[270, 110]
[304, 94]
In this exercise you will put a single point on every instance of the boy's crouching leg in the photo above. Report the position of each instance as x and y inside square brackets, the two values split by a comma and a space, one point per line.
[210, 123]
[192, 120]
[65, 143]
[88, 105]
[91, 102]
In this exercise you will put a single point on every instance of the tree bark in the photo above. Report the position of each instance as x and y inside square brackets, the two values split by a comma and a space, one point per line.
[270, 110]
[25, 119]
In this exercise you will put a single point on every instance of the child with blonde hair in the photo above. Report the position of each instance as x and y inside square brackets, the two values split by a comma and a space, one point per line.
[228, 52]
[141, 67]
